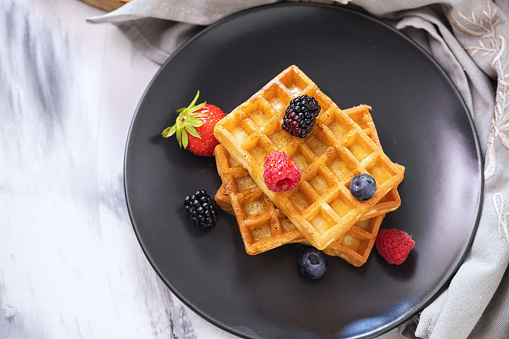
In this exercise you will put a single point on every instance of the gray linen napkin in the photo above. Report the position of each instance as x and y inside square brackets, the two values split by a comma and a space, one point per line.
[469, 40]
[159, 27]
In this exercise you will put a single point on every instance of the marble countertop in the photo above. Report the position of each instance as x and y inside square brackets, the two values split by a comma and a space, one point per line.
[70, 263]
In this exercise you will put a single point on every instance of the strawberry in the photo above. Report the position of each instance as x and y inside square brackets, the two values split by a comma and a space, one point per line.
[194, 127]
[394, 245]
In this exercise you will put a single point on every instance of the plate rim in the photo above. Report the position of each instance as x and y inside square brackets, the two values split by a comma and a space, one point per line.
[355, 11]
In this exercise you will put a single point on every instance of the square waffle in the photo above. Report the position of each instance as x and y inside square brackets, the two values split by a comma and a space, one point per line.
[262, 225]
[276, 231]
[336, 150]
[356, 245]
[269, 228]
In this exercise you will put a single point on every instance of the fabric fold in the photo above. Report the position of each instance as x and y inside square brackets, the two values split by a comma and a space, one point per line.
[196, 12]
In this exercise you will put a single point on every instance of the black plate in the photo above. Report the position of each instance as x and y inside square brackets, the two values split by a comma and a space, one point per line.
[423, 124]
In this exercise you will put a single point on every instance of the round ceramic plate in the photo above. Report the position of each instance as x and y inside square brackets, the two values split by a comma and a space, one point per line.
[422, 122]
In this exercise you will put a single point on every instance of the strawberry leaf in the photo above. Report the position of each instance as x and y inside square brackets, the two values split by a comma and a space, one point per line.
[179, 137]
[193, 121]
[192, 131]
[169, 131]
[187, 122]
[185, 140]
[191, 108]
[199, 115]
[195, 98]
[198, 107]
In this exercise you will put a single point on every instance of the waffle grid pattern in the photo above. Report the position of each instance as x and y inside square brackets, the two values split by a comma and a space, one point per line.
[262, 226]
[268, 228]
[334, 152]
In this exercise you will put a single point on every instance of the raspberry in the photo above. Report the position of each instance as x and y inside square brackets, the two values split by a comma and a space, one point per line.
[300, 116]
[200, 209]
[281, 173]
[394, 245]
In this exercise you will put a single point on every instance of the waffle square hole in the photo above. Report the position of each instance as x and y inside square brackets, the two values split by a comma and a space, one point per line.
[366, 224]
[279, 138]
[301, 159]
[339, 126]
[352, 243]
[253, 207]
[259, 112]
[341, 166]
[238, 129]
[317, 145]
[244, 183]
[294, 83]
[320, 183]
[322, 222]
[261, 232]
[259, 149]
[358, 147]
[341, 206]
[286, 224]
[276, 97]
[259, 154]
[300, 199]
[380, 171]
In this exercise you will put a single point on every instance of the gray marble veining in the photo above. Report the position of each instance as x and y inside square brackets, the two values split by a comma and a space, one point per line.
[70, 264]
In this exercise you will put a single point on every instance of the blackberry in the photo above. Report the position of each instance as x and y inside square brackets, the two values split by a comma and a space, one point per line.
[200, 209]
[300, 116]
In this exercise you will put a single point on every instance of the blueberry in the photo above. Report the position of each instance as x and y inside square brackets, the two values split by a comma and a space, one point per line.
[312, 264]
[363, 187]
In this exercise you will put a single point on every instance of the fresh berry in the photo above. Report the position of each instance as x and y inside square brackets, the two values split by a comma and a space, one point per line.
[280, 173]
[312, 264]
[195, 127]
[394, 245]
[300, 116]
[363, 187]
[200, 209]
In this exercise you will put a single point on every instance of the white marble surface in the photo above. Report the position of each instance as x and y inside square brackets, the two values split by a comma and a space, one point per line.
[70, 264]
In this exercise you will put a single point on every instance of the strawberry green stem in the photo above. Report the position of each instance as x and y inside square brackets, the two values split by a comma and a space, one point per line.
[186, 122]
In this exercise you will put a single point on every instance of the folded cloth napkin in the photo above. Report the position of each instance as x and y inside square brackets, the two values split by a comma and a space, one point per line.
[469, 40]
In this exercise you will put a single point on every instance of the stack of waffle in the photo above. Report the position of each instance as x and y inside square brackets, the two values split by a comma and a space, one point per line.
[321, 211]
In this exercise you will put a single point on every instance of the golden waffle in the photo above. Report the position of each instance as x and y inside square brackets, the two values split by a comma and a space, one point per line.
[269, 228]
[336, 150]
[238, 182]
[357, 243]
[262, 226]
[223, 200]
[362, 117]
